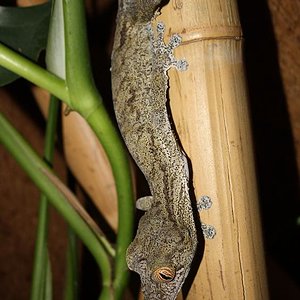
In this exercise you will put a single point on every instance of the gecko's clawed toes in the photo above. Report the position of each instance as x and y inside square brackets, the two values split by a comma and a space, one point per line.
[175, 41]
[160, 27]
[144, 203]
[209, 231]
[181, 65]
[205, 202]
[164, 53]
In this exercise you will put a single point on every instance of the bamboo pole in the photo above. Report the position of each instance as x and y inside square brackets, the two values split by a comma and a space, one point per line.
[211, 115]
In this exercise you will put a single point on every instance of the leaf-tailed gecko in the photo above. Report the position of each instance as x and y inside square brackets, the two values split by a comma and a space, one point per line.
[166, 239]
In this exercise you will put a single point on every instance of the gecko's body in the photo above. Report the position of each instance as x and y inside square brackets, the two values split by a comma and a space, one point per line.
[165, 243]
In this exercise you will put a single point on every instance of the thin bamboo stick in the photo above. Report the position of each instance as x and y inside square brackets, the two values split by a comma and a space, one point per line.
[210, 111]
[87, 160]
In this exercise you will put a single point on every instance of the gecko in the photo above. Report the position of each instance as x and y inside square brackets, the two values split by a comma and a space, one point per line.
[166, 239]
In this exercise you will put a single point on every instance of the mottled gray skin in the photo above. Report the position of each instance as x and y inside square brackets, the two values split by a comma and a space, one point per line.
[166, 235]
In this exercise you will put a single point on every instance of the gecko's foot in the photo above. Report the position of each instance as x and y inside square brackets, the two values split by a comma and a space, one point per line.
[204, 203]
[164, 52]
[209, 231]
[144, 203]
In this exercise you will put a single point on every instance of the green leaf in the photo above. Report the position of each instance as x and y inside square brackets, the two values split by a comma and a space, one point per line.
[24, 30]
[55, 51]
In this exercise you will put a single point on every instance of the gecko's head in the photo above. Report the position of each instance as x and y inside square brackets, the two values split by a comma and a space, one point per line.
[161, 253]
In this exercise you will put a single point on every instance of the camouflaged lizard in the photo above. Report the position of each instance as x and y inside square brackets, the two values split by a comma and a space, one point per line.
[166, 239]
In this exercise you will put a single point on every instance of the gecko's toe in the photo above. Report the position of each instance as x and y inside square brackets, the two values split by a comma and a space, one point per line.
[181, 65]
[160, 27]
[205, 202]
[175, 41]
[209, 231]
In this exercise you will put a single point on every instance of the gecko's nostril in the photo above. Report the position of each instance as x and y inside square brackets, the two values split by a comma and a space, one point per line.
[164, 274]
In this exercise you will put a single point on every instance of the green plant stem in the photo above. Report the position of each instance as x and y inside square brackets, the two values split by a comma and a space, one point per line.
[48, 295]
[22, 66]
[87, 101]
[71, 292]
[35, 168]
[106, 132]
[40, 258]
[82, 91]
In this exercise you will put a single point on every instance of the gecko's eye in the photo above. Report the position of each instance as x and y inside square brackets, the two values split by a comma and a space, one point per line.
[164, 274]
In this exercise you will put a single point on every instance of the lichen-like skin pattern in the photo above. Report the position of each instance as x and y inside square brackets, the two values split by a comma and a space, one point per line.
[166, 239]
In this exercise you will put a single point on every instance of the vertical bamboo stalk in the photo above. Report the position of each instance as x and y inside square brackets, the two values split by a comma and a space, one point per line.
[210, 111]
